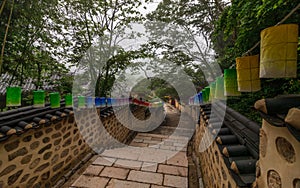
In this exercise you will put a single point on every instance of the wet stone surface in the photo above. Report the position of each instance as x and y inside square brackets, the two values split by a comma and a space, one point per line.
[162, 164]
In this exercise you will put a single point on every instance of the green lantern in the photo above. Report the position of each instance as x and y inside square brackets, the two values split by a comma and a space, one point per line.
[203, 95]
[212, 91]
[13, 96]
[219, 94]
[54, 100]
[38, 98]
[68, 100]
[81, 101]
[230, 83]
[207, 94]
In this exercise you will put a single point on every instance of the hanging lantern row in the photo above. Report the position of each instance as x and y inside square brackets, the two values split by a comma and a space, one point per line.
[13, 99]
[278, 58]
[214, 91]
[196, 99]
[140, 102]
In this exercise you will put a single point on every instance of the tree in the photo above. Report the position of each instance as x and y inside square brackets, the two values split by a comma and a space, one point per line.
[32, 42]
[100, 25]
[197, 19]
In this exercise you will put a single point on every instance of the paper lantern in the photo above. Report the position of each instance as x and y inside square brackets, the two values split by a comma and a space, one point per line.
[119, 101]
[278, 57]
[81, 101]
[68, 100]
[97, 102]
[123, 101]
[230, 83]
[102, 101]
[203, 95]
[108, 102]
[247, 69]
[54, 100]
[13, 96]
[38, 99]
[147, 104]
[212, 91]
[113, 102]
[126, 101]
[89, 102]
[191, 100]
[200, 97]
[196, 99]
[219, 93]
[207, 93]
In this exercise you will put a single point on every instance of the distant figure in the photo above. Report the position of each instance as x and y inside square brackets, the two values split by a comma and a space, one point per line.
[173, 102]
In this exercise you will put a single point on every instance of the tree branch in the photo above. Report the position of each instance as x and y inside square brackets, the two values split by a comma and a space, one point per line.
[5, 36]
[2, 7]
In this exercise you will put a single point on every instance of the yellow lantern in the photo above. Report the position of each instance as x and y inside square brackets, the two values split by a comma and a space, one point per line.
[278, 58]
[247, 69]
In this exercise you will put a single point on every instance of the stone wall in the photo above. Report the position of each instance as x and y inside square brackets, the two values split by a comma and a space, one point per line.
[40, 157]
[215, 173]
[112, 133]
[210, 147]
[279, 163]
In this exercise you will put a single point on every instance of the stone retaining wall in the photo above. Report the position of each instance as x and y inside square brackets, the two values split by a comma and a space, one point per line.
[215, 173]
[40, 157]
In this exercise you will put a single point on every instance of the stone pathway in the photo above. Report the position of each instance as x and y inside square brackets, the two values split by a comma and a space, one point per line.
[156, 159]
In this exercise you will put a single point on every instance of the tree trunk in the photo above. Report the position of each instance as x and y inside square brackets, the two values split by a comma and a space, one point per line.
[5, 36]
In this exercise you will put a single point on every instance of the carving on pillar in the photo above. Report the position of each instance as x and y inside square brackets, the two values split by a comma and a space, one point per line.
[263, 143]
[274, 180]
[296, 183]
[285, 149]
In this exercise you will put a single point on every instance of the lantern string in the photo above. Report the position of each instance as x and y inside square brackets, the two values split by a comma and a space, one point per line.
[281, 21]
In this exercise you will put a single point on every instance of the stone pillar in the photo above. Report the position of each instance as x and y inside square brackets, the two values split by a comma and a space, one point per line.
[279, 163]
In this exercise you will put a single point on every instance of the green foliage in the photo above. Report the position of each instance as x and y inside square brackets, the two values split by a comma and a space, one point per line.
[155, 87]
[31, 50]
[237, 30]
[45, 36]
[239, 26]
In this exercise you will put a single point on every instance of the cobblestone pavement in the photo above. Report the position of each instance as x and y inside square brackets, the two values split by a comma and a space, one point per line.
[155, 159]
